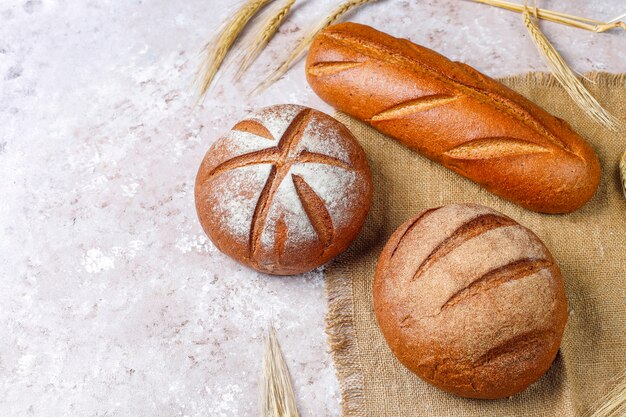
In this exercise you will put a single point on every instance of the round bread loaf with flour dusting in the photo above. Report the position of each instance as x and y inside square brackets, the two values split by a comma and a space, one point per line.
[470, 301]
[285, 191]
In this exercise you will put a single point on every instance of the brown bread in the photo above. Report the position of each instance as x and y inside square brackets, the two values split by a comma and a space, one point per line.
[285, 191]
[470, 301]
[454, 115]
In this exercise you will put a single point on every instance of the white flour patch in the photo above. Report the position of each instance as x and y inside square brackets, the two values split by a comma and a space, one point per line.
[134, 246]
[199, 243]
[336, 186]
[287, 203]
[179, 148]
[236, 194]
[320, 136]
[130, 190]
[96, 183]
[276, 121]
[240, 143]
[95, 261]
[26, 363]
[225, 399]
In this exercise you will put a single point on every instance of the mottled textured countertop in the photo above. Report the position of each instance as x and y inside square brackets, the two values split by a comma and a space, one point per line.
[112, 300]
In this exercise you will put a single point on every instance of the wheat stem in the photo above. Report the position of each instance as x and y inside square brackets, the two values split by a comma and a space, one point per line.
[216, 49]
[277, 397]
[261, 34]
[620, 17]
[306, 41]
[567, 79]
[622, 172]
[558, 17]
[614, 402]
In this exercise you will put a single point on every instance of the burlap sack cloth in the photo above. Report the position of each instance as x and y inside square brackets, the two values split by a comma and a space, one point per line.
[589, 245]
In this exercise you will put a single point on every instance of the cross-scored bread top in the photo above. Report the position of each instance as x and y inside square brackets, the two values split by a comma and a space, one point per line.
[285, 177]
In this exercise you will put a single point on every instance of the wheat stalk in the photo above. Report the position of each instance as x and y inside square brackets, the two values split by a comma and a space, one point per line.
[565, 76]
[614, 402]
[277, 397]
[622, 172]
[216, 49]
[306, 41]
[558, 17]
[261, 34]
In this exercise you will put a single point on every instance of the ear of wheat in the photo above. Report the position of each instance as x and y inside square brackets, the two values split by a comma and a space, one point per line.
[261, 34]
[304, 44]
[277, 397]
[216, 49]
[613, 404]
[565, 76]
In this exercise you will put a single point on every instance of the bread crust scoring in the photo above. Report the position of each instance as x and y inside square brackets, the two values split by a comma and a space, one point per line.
[470, 301]
[453, 114]
[285, 191]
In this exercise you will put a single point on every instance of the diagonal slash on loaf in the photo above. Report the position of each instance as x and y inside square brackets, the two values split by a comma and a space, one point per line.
[281, 158]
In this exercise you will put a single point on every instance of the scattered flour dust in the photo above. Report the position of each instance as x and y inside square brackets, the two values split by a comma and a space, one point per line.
[224, 399]
[130, 190]
[240, 143]
[320, 136]
[287, 203]
[335, 186]
[134, 247]
[199, 243]
[26, 363]
[234, 207]
[235, 193]
[276, 121]
[95, 261]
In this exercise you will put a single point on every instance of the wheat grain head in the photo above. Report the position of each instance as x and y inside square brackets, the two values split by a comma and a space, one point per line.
[277, 397]
[261, 34]
[565, 76]
[216, 49]
[306, 41]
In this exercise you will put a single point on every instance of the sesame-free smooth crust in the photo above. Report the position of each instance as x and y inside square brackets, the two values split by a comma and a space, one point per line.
[470, 301]
[453, 114]
[285, 191]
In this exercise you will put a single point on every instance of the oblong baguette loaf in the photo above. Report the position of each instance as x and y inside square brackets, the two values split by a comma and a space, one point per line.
[454, 115]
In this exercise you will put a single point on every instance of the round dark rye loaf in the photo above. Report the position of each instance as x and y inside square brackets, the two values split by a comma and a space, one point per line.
[286, 190]
[470, 301]
[454, 115]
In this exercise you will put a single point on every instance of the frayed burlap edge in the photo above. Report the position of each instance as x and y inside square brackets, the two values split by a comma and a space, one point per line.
[545, 79]
[340, 327]
[342, 340]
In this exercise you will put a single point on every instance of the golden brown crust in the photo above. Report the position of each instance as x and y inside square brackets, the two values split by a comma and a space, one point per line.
[470, 301]
[285, 191]
[454, 115]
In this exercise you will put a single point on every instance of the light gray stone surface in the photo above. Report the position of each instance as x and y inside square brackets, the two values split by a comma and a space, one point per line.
[112, 300]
